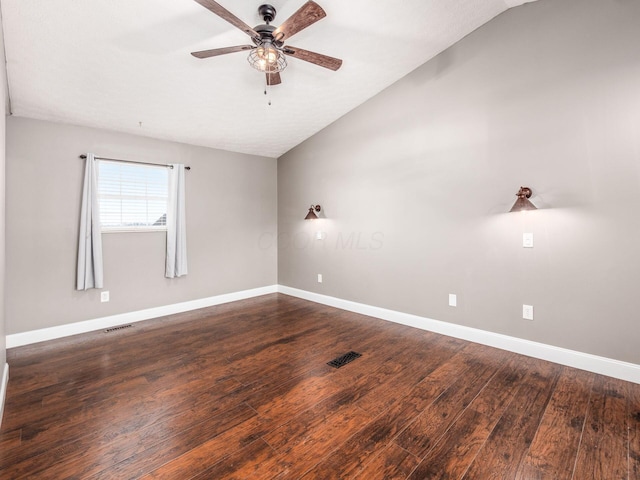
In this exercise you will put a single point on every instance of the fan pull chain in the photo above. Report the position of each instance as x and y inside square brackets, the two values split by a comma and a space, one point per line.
[266, 87]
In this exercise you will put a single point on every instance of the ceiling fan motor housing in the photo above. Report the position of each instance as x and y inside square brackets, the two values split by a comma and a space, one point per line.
[266, 34]
[268, 13]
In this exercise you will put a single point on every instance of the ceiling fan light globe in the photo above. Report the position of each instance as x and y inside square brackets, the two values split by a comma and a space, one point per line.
[266, 58]
[267, 53]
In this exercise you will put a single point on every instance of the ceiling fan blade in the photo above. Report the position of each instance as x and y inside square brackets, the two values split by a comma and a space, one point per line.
[220, 51]
[306, 15]
[273, 78]
[313, 57]
[228, 16]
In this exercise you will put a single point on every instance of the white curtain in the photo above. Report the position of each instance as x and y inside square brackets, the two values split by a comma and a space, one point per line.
[89, 238]
[176, 226]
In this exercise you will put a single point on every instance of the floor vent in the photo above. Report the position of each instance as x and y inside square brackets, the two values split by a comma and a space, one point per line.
[121, 327]
[342, 360]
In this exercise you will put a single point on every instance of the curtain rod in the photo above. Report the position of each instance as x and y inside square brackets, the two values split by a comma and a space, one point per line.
[133, 161]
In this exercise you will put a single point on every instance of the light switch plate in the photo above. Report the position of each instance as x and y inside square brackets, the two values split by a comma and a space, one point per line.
[453, 300]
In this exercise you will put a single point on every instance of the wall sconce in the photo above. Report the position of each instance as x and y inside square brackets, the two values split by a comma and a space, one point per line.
[312, 214]
[523, 203]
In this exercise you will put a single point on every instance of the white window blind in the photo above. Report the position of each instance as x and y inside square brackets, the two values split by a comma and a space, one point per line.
[131, 196]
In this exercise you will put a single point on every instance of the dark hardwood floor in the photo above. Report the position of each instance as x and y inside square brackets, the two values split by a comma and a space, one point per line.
[242, 390]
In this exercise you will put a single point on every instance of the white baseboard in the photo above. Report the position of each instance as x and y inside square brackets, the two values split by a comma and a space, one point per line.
[584, 361]
[3, 389]
[34, 336]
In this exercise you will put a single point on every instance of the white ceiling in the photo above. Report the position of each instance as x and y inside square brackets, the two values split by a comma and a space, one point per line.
[115, 63]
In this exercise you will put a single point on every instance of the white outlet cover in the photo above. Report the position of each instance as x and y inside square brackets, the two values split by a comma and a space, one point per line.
[319, 278]
[527, 240]
[453, 300]
[104, 296]
[527, 312]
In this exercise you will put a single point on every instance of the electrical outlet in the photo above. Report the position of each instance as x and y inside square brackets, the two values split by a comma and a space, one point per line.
[527, 240]
[104, 296]
[319, 278]
[527, 312]
[453, 300]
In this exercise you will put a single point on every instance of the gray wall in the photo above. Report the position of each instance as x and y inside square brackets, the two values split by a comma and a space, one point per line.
[415, 183]
[231, 203]
[5, 111]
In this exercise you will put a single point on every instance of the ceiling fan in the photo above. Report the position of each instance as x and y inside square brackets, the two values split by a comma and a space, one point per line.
[269, 52]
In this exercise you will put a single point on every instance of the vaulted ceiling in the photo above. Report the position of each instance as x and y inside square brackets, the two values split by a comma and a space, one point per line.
[126, 65]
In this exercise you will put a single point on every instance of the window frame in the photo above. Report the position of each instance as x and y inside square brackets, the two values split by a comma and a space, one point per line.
[132, 228]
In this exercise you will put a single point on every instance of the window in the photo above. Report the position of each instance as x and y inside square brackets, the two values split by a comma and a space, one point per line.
[132, 197]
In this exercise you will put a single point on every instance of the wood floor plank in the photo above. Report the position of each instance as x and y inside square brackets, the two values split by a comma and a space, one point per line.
[85, 459]
[304, 441]
[603, 451]
[300, 428]
[398, 386]
[554, 448]
[188, 454]
[10, 439]
[509, 442]
[95, 453]
[393, 463]
[241, 464]
[376, 435]
[435, 420]
[242, 390]
[293, 397]
[80, 396]
[455, 451]
[119, 417]
[451, 457]
[634, 431]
